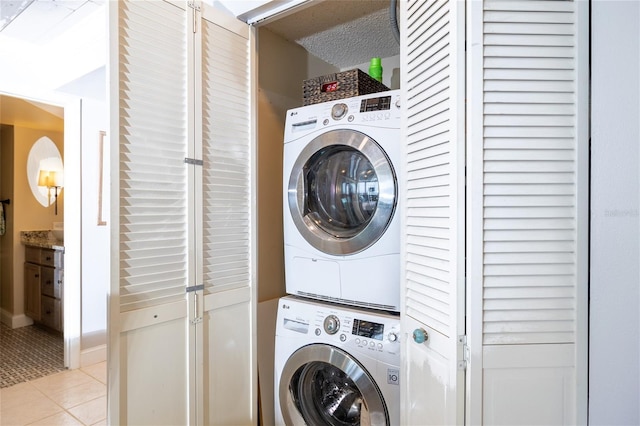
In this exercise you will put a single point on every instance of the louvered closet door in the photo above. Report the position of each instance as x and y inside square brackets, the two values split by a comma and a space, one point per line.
[528, 148]
[150, 261]
[228, 222]
[432, 51]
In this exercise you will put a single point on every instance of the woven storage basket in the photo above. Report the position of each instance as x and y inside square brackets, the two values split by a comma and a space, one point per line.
[339, 86]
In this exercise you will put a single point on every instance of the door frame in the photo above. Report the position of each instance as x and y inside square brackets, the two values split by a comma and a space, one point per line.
[72, 222]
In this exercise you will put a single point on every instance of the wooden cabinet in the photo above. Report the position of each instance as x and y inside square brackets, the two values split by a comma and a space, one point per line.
[43, 280]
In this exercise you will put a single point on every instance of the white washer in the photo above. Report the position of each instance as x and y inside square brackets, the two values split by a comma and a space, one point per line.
[335, 365]
[341, 227]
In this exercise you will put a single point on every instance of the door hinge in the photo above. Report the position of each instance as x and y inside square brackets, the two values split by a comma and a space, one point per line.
[464, 352]
[196, 8]
[194, 288]
[193, 161]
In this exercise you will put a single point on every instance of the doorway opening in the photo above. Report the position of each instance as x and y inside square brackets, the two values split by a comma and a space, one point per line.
[32, 286]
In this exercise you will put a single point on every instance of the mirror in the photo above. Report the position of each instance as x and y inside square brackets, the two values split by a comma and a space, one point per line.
[44, 155]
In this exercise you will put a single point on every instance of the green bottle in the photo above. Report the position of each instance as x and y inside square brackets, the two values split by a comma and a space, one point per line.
[375, 69]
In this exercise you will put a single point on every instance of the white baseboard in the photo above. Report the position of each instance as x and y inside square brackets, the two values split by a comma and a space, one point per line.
[93, 355]
[14, 321]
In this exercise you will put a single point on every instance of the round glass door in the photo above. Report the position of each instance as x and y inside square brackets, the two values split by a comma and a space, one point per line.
[323, 385]
[342, 192]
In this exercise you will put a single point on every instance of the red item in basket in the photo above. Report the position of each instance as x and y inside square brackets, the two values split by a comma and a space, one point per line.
[330, 87]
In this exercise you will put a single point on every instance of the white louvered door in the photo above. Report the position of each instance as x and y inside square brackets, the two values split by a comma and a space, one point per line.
[527, 156]
[432, 188]
[182, 298]
[148, 320]
[228, 221]
[522, 223]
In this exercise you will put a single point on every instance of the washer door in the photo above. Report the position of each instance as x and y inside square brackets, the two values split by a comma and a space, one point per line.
[342, 192]
[323, 385]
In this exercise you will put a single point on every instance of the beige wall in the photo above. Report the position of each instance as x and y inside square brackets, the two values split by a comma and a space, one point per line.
[6, 241]
[28, 123]
[29, 214]
[282, 68]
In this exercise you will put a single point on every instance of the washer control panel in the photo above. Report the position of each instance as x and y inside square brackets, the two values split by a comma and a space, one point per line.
[375, 334]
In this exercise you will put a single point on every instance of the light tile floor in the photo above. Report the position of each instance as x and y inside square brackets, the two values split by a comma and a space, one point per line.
[74, 397]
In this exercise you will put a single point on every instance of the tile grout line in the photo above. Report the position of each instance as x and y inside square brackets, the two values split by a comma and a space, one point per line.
[67, 410]
[42, 393]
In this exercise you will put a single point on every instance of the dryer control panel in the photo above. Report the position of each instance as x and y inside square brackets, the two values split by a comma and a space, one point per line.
[377, 109]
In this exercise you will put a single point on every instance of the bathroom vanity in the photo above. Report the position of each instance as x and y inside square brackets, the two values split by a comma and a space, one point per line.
[43, 279]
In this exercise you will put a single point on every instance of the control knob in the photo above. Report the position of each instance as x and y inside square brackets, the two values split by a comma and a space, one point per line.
[338, 111]
[331, 324]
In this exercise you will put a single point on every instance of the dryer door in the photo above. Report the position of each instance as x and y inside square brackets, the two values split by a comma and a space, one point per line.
[342, 192]
[323, 385]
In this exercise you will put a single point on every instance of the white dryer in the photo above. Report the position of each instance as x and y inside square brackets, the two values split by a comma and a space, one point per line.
[341, 227]
[336, 365]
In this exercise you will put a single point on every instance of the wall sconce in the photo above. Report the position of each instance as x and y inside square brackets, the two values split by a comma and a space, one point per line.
[51, 179]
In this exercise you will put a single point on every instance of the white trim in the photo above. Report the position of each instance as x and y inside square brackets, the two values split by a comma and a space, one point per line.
[459, 233]
[253, 105]
[272, 10]
[113, 299]
[73, 226]
[73, 233]
[93, 355]
[582, 210]
[474, 219]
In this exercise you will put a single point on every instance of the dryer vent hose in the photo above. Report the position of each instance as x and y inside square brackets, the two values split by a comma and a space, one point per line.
[393, 19]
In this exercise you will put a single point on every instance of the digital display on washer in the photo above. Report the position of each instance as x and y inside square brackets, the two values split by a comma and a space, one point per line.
[368, 329]
[375, 104]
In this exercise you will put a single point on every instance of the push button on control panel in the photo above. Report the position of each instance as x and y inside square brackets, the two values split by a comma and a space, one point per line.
[393, 376]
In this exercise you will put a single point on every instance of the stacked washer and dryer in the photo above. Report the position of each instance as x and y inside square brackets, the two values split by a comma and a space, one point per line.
[337, 350]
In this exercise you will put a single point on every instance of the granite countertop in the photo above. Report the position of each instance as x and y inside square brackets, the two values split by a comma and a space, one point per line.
[42, 239]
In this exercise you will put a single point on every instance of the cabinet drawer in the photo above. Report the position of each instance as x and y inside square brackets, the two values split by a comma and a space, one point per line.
[51, 282]
[51, 314]
[51, 258]
[32, 254]
[44, 256]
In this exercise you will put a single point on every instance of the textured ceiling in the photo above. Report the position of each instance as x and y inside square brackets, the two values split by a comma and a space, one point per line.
[342, 32]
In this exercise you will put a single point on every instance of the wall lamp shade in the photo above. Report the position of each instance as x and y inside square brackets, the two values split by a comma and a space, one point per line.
[52, 179]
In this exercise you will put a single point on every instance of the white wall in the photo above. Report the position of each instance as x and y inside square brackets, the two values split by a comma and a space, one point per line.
[614, 356]
[95, 243]
[95, 238]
